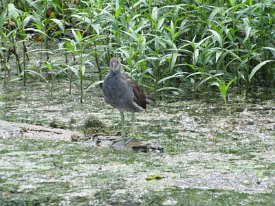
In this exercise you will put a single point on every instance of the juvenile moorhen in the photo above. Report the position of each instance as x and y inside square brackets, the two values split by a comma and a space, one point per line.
[123, 93]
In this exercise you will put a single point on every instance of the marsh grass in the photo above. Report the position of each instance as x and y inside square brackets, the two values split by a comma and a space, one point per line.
[161, 43]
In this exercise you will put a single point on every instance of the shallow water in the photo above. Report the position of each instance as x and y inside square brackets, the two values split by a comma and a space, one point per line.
[213, 155]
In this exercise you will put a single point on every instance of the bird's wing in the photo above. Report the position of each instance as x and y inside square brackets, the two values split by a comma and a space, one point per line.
[139, 95]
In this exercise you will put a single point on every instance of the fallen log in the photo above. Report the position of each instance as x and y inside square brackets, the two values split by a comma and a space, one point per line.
[24, 130]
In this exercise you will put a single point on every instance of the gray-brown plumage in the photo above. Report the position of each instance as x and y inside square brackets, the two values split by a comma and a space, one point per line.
[123, 93]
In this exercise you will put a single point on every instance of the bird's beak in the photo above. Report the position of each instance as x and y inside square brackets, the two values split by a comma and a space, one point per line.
[115, 65]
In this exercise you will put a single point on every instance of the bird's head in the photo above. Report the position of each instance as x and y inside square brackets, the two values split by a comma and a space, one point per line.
[115, 64]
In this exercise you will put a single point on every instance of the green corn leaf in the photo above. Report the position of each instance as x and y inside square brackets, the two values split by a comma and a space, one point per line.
[118, 11]
[160, 23]
[146, 60]
[176, 75]
[135, 17]
[36, 74]
[82, 69]
[196, 56]
[272, 50]
[13, 11]
[82, 18]
[77, 36]
[125, 52]
[27, 20]
[94, 84]
[1, 21]
[74, 70]
[49, 66]
[37, 31]
[165, 58]
[232, 2]
[223, 87]
[133, 34]
[241, 74]
[172, 28]
[256, 68]
[59, 23]
[218, 54]
[229, 83]
[174, 59]
[214, 13]
[70, 46]
[217, 37]
[154, 15]
[46, 51]
[169, 88]
[247, 29]
[35, 5]
[196, 73]
[206, 79]
[223, 90]
[16, 79]
[199, 43]
[97, 28]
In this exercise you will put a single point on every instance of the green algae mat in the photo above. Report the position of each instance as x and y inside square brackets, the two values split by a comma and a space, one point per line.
[213, 155]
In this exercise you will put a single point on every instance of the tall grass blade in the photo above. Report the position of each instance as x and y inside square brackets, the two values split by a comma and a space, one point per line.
[256, 68]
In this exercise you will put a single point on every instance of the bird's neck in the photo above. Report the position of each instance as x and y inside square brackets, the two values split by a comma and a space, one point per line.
[115, 72]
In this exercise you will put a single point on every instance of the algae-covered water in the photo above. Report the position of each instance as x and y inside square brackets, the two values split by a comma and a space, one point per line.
[213, 155]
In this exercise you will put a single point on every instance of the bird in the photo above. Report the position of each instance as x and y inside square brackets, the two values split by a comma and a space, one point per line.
[124, 94]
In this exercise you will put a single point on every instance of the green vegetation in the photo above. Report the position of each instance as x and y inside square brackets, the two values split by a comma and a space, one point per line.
[161, 43]
[212, 155]
[35, 172]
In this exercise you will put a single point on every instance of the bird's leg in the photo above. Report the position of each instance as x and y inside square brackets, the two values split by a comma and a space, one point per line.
[133, 124]
[133, 129]
[122, 125]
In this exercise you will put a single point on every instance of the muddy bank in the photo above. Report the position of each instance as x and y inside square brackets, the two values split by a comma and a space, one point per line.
[29, 131]
[213, 155]
[24, 130]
